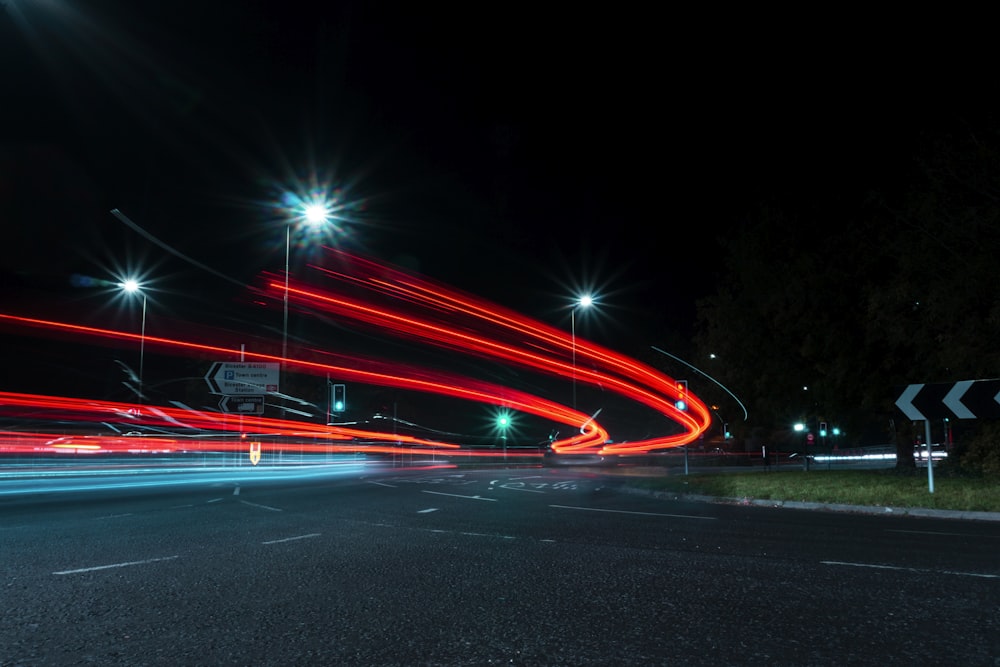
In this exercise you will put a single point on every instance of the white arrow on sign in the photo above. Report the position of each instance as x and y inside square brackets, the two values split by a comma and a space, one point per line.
[905, 404]
[953, 399]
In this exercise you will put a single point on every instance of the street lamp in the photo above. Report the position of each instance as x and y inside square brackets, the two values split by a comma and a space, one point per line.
[132, 286]
[584, 301]
[314, 214]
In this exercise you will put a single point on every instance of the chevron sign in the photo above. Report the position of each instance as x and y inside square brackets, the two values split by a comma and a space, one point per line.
[968, 399]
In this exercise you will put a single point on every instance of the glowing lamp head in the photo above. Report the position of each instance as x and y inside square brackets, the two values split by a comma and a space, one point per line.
[131, 285]
[586, 301]
[316, 214]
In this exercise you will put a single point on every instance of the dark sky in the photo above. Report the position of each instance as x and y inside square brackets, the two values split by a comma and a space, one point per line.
[514, 152]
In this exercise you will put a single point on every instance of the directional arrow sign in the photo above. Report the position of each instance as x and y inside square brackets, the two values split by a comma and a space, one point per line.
[238, 378]
[244, 405]
[905, 402]
[967, 399]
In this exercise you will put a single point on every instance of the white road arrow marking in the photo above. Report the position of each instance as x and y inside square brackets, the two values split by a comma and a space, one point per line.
[906, 406]
[953, 399]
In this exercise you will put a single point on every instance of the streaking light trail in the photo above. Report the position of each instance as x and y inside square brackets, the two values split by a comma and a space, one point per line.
[418, 310]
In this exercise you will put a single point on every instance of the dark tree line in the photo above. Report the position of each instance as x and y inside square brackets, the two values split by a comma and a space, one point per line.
[823, 313]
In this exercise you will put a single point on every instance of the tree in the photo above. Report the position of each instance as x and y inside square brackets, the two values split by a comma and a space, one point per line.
[823, 316]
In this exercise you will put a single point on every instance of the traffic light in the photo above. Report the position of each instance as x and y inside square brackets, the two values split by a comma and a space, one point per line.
[725, 431]
[682, 390]
[339, 401]
[822, 429]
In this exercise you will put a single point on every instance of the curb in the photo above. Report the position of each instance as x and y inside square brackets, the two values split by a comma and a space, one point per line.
[824, 507]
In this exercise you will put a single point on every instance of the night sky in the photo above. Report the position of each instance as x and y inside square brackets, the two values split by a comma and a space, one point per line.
[518, 153]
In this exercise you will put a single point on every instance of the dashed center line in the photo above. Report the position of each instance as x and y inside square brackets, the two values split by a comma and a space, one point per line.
[876, 566]
[263, 507]
[428, 510]
[455, 495]
[598, 509]
[292, 539]
[114, 565]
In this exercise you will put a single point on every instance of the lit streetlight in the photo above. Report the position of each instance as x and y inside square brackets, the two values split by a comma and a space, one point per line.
[584, 301]
[313, 214]
[132, 286]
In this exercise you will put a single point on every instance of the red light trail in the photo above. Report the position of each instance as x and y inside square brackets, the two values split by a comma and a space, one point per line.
[421, 311]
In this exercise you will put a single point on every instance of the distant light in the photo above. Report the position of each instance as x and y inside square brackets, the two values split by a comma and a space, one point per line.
[586, 301]
[799, 427]
[131, 285]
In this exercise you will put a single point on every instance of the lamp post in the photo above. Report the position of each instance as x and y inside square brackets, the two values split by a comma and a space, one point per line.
[314, 215]
[131, 286]
[583, 302]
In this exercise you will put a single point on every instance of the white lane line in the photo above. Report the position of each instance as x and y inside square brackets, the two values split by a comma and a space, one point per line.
[292, 539]
[875, 566]
[263, 507]
[391, 486]
[597, 509]
[112, 516]
[177, 507]
[931, 532]
[108, 567]
[236, 491]
[428, 510]
[213, 500]
[455, 495]
[514, 488]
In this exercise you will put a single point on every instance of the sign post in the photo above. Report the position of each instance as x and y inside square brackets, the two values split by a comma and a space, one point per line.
[967, 399]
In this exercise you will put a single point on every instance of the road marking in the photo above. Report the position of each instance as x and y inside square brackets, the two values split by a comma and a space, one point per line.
[455, 495]
[214, 500]
[263, 507]
[108, 567]
[429, 509]
[910, 569]
[112, 516]
[177, 507]
[292, 539]
[236, 491]
[382, 484]
[598, 509]
[932, 532]
[514, 488]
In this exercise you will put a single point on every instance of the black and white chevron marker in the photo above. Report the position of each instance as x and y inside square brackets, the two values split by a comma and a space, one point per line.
[968, 399]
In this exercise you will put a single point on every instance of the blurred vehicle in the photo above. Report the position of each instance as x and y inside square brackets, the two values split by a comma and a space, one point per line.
[938, 451]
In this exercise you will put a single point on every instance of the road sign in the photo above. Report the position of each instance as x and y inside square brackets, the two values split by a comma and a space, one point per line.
[968, 399]
[239, 378]
[244, 405]
[254, 453]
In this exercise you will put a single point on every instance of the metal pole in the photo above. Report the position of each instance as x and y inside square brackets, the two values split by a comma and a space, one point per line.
[930, 455]
[284, 327]
[142, 346]
[572, 322]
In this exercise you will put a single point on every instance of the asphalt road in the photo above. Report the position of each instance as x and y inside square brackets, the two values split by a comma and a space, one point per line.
[449, 567]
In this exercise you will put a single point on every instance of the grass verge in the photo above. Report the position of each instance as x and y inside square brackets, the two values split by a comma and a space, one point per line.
[880, 488]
